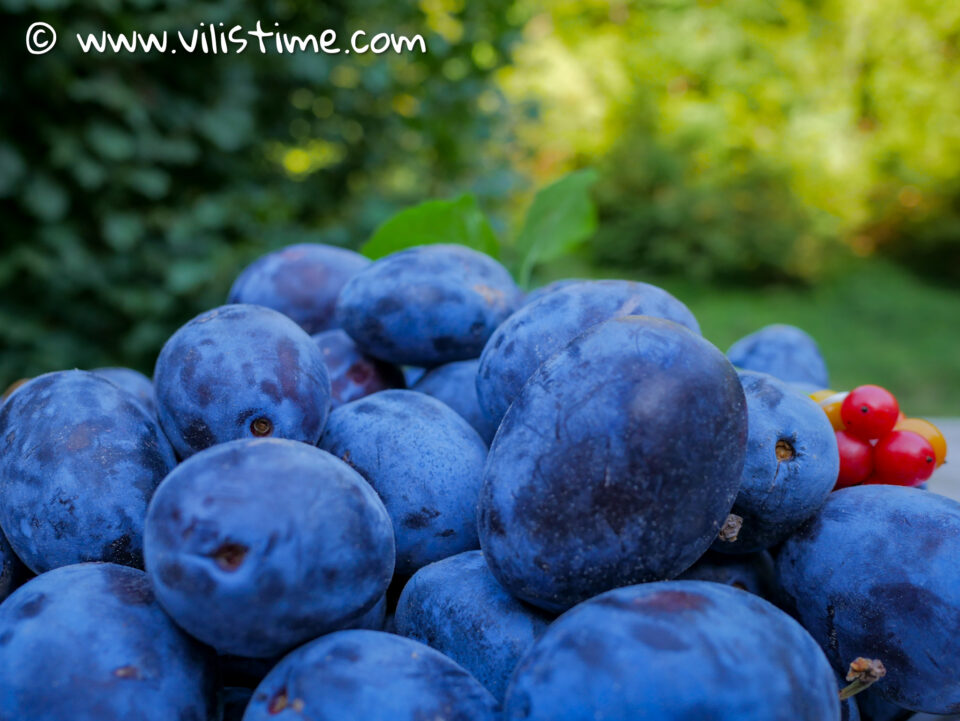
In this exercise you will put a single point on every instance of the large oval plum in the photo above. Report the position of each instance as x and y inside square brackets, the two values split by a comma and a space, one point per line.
[874, 574]
[240, 371]
[427, 305]
[674, 650]
[618, 463]
[370, 676]
[543, 327]
[256, 546]
[301, 281]
[88, 642]
[79, 460]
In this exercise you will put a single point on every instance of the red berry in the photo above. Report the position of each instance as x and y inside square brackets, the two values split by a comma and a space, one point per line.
[856, 460]
[903, 458]
[870, 412]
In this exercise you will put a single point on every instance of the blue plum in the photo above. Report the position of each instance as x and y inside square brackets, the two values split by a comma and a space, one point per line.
[301, 281]
[457, 607]
[411, 374]
[672, 651]
[133, 382]
[791, 465]
[538, 293]
[424, 460]
[12, 571]
[370, 676]
[874, 574]
[427, 305]
[255, 546]
[617, 464]
[240, 371]
[874, 707]
[542, 328]
[456, 385]
[353, 375]
[753, 572]
[88, 642]
[785, 352]
[79, 460]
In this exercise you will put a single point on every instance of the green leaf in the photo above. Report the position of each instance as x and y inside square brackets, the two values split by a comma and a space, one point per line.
[437, 221]
[561, 216]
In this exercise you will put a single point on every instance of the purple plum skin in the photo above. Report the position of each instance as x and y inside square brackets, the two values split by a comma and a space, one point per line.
[783, 351]
[79, 461]
[874, 574]
[236, 364]
[630, 653]
[354, 375]
[617, 464]
[133, 382]
[456, 385]
[301, 281]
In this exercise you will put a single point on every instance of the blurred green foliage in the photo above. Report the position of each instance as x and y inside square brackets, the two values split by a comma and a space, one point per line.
[134, 187]
[749, 140]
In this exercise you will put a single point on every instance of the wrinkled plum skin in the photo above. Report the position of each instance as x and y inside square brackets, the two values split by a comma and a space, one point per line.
[424, 460]
[372, 676]
[753, 572]
[310, 544]
[874, 574]
[353, 375]
[232, 365]
[12, 571]
[542, 328]
[301, 281]
[776, 496]
[617, 464]
[88, 642]
[133, 382]
[79, 461]
[457, 607]
[428, 305]
[785, 352]
[632, 653]
[456, 385]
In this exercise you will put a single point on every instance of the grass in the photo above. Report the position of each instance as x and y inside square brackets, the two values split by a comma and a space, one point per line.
[876, 324]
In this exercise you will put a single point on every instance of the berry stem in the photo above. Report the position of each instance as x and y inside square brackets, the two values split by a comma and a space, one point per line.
[863, 674]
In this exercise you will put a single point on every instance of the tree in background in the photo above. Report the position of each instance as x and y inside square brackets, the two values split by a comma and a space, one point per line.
[134, 187]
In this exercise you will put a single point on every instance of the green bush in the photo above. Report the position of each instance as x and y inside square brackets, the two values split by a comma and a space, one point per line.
[134, 187]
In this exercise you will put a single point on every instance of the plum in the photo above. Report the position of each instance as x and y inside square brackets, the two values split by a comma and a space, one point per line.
[456, 385]
[353, 375]
[12, 571]
[674, 650]
[255, 546]
[791, 465]
[88, 642]
[874, 574]
[370, 676]
[79, 460]
[427, 305]
[538, 293]
[301, 281]
[457, 607]
[240, 371]
[538, 330]
[133, 382]
[874, 707]
[785, 352]
[617, 463]
[753, 572]
[424, 460]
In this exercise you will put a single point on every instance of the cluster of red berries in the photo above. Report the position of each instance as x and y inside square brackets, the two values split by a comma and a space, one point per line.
[877, 443]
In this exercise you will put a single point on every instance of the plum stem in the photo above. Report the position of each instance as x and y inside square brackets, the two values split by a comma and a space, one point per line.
[863, 673]
[731, 528]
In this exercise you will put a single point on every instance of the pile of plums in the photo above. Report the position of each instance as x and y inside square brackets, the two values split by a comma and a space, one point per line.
[403, 490]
